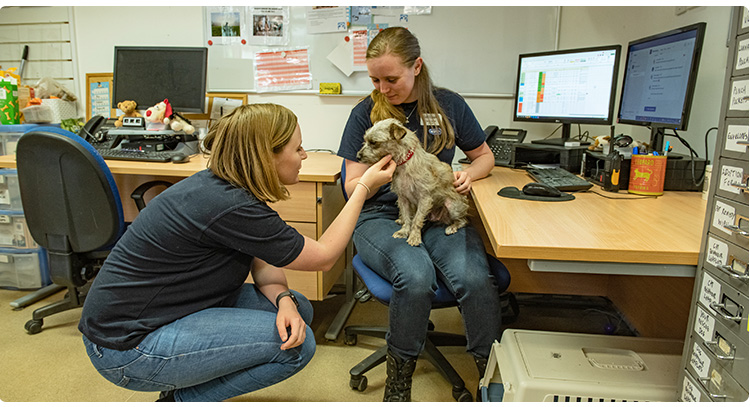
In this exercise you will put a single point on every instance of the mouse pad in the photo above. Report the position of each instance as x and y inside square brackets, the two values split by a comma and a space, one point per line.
[513, 192]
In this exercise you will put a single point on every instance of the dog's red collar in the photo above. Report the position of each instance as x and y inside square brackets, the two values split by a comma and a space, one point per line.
[408, 157]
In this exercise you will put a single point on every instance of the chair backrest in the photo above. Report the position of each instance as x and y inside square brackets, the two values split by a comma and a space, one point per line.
[69, 196]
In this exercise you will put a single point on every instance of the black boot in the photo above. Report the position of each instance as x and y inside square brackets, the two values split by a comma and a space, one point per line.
[167, 396]
[398, 382]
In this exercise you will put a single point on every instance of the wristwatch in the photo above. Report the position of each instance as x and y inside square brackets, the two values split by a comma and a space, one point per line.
[289, 294]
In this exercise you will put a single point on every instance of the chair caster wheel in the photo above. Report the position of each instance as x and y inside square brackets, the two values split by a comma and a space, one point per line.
[33, 326]
[462, 395]
[358, 383]
[350, 340]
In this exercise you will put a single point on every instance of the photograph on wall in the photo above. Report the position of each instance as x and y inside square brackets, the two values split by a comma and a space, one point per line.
[226, 25]
[270, 25]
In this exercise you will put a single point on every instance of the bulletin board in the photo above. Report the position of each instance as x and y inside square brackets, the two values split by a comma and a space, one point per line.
[471, 50]
[99, 95]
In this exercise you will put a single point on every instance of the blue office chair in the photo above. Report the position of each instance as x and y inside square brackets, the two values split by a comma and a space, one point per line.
[381, 290]
[72, 208]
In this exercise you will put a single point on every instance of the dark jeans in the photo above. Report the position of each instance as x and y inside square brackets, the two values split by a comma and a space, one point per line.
[458, 260]
[211, 355]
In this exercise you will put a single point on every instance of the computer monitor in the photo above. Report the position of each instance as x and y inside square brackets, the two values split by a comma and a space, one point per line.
[659, 81]
[567, 86]
[149, 75]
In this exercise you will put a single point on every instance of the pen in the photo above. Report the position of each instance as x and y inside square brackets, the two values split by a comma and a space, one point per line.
[666, 148]
[24, 57]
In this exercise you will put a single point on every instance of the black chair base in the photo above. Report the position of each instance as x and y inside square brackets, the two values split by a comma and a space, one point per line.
[358, 380]
[74, 298]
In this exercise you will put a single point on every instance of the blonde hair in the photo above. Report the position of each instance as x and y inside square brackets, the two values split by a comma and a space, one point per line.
[242, 145]
[398, 41]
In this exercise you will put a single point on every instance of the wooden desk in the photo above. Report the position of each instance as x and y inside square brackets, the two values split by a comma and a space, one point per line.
[315, 202]
[636, 252]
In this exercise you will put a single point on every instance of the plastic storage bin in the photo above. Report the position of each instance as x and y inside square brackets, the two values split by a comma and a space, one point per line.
[10, 133]
[10, 193]
[24, 269]
[14, 232]
[570, 367]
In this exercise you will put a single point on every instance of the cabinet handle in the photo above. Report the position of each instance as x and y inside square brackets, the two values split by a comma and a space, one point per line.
[742, 187]
[717, 396]
[730, 271]
[710, 346]
[723, 312]
[743, 142]
[736, 230]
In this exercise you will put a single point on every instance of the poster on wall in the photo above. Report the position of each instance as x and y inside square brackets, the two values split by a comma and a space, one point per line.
[225, 25]
[280, 70]
[270, 25]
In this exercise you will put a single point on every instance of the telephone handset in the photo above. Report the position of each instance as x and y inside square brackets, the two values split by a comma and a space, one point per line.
[501, 143]
[91, 130]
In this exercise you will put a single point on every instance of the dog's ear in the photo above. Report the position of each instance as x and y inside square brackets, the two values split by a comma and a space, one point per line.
[397, 131]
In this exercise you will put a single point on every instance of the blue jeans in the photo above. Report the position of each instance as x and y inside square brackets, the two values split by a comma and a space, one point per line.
[458, 260]
[211, 355]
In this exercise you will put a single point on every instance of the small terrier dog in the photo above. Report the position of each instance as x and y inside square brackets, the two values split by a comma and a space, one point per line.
[423, 183]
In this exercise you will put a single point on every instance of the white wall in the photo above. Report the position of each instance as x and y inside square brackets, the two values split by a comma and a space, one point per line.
[322, 117]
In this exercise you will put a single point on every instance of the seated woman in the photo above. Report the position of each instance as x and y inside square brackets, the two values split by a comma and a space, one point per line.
[170, 310]
[442, 120]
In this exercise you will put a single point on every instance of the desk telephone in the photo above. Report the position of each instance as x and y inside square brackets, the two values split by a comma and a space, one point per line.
[501, 143]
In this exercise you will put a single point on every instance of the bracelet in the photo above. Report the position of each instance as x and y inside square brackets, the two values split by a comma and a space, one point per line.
[364, 185]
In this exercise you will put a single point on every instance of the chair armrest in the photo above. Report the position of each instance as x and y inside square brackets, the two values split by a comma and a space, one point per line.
[137, 195]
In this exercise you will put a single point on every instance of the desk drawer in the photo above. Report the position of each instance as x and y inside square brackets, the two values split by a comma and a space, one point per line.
[727, 261]
[732, 180]
[725, 304]
[729, 220]
[703, 358]
[302, 206]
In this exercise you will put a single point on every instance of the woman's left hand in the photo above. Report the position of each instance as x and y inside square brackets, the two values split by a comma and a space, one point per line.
[291, 326]
[462, 182]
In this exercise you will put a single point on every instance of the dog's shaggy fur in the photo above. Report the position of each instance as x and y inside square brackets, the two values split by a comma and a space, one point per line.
[423, 183]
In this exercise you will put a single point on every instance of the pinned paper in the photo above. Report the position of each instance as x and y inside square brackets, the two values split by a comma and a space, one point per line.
[282, 70]
[341, 57]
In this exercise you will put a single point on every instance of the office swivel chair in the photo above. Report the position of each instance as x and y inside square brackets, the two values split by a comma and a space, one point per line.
[381, 290]
[72, 208]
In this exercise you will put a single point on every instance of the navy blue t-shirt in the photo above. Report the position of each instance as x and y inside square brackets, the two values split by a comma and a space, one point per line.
[190, 249]
[469, 134]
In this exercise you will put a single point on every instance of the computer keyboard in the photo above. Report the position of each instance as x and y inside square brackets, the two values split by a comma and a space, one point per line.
[135, 155]
[559, 178]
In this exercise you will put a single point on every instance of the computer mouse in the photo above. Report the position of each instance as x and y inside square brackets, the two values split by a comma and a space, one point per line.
[539, 189]
[179, 158]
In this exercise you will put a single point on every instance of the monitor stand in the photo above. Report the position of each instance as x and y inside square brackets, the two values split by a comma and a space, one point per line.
[561, 141]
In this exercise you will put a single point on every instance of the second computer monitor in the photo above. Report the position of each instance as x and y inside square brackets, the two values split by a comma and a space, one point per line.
[567, 87]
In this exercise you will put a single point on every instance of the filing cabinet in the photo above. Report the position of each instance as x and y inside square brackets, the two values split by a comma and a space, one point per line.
[715, 354]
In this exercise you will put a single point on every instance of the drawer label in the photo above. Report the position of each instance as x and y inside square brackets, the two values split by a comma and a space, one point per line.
[690, 392]
[731, 175]
[4, 197]
[742, 53]
[700, 361]
[704, 324]
[723, 215]
[710, 290]
[717, 252]
[739, 96]
[735, 134]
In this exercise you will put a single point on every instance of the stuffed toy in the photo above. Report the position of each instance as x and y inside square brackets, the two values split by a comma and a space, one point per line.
[162, 113]
[128, 107]
[599, 143]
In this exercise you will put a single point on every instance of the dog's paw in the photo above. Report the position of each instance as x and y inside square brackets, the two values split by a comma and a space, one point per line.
[401, 233]
[414, 240]
[451, 229]
[399, 221]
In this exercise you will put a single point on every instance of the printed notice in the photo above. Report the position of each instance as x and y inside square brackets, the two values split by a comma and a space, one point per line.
[359, 40]
[736, 138]
[99, 99]
[326, 19]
